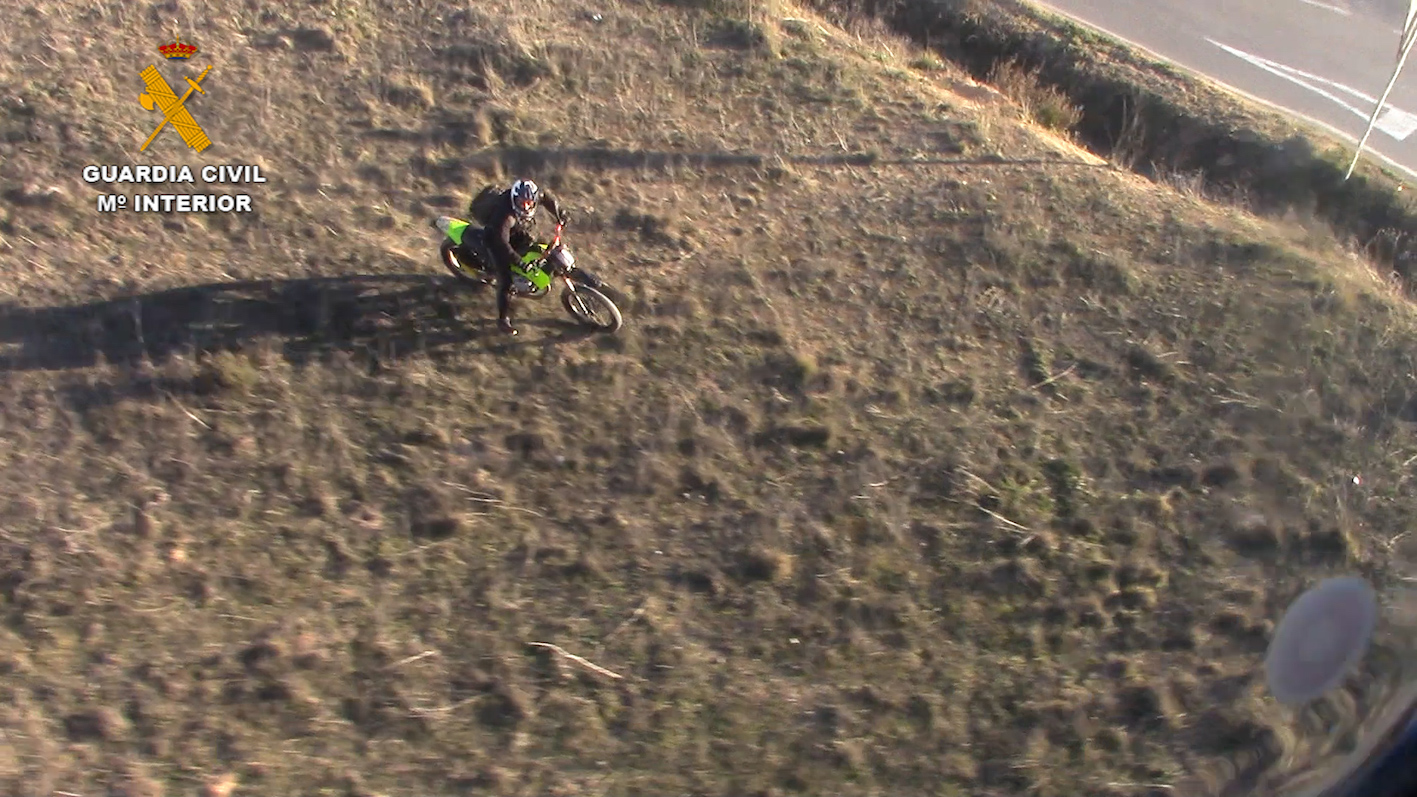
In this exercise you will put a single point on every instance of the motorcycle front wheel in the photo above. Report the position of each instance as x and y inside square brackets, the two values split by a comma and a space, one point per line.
[592, 308]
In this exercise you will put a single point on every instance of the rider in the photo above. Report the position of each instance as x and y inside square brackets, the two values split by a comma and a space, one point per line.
[508, 234]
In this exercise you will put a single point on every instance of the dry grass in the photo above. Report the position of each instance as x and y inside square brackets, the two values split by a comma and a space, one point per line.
[934, 458]
[1046, 105]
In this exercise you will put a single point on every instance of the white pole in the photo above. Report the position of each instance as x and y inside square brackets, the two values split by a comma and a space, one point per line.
[1409, 35]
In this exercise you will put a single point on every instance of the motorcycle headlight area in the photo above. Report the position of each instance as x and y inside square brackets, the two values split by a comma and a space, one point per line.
[561, 257]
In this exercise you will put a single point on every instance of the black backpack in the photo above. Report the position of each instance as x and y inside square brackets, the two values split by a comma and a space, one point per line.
[484, 204]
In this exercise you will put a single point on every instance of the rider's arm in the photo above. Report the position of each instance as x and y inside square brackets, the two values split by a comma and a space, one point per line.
[500, 240]
[552, 205]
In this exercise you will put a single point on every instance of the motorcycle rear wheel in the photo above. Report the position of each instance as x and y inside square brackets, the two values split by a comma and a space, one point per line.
[474, 275]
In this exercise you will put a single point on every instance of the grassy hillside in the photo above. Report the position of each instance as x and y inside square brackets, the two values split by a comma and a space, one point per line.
[936, 456]
[1161, 121]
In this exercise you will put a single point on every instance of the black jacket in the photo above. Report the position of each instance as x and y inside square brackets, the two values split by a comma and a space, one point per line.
[505, 233]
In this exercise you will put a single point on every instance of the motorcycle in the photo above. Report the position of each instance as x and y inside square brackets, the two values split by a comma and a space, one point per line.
[532, 277]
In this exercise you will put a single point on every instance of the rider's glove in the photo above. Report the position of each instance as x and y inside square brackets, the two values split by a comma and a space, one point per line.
[565, 218]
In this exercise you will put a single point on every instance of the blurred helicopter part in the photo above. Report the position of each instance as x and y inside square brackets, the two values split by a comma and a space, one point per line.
[1320, 638]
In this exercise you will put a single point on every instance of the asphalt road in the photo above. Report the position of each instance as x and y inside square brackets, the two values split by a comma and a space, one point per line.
[1325, 60]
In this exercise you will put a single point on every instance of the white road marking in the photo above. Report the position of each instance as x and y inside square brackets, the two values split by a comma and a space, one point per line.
[1201, 74]
[1325, 6]
[1393, 121]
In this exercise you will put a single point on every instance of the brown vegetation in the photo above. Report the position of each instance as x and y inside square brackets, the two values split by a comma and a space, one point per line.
[937, 455]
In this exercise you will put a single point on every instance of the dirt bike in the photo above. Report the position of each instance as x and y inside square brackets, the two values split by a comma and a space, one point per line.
[532, 276]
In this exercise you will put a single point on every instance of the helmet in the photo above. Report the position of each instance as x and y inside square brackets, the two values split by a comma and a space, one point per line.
[525, 195]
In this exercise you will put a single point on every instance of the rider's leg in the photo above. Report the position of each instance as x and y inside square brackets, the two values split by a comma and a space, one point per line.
[504, 298]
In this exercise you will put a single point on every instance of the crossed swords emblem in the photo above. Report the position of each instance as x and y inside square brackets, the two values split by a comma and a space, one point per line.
[160, 95]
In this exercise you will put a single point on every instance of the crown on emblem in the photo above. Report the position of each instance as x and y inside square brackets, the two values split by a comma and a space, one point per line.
[177, 51]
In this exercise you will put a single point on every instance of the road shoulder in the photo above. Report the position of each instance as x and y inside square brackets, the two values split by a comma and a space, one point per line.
[1163, 120]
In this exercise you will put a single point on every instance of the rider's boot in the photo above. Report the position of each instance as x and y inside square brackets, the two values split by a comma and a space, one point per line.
[504, 323]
